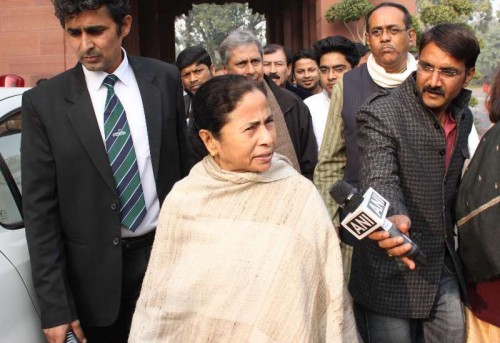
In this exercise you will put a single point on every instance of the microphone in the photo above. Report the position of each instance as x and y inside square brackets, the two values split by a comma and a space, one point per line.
[367, 214]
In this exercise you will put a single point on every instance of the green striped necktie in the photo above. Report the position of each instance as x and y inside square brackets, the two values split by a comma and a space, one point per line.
[122, 159]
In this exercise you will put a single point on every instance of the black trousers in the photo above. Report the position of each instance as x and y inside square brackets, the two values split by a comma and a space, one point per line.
[135, 262]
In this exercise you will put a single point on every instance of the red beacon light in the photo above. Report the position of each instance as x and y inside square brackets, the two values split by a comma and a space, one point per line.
[10, 80]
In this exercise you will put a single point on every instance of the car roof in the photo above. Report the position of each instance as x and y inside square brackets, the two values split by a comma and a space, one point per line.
[6, 92]
[10, 100]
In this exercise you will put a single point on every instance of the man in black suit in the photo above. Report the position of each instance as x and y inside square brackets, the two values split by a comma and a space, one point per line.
[196, 68]
[88, 256]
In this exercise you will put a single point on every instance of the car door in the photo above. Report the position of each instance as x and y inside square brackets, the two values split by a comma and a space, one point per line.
[19, 314]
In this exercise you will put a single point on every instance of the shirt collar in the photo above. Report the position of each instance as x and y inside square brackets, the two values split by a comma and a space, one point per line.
[450, 119]
[124, 73]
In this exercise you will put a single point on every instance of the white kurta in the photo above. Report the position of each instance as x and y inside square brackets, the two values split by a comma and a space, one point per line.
[318, 105]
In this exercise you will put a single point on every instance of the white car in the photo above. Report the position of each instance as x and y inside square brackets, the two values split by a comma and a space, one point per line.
[19, 312]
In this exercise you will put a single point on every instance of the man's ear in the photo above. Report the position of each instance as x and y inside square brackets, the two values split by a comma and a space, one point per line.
[469, 74]
[126, 25]
[367, 40]
[413, 37]
[288, 71]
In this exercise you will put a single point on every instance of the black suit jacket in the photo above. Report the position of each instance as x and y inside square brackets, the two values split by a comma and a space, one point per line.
[299, 124]
[187, 105]
[71, 207]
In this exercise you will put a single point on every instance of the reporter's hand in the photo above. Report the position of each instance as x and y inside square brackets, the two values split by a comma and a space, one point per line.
[58, 333]
[394, 246]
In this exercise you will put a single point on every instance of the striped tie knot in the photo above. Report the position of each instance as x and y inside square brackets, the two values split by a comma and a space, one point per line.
[110, 80]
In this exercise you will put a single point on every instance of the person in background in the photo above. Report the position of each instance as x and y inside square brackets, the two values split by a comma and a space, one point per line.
[196, 68]
[277, 64]
[245, 250]
[413, 143]
[364, 52]
[306, 71]
[43, 79]
[335, 56]
[218, 70]
[389, 34]
[478, 211]
[102, 145]
[241, 53]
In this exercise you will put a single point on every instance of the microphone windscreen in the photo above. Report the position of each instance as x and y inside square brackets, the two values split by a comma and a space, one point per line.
[346, 195]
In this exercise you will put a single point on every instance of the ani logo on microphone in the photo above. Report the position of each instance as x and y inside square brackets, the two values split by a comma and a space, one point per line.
[368, 217]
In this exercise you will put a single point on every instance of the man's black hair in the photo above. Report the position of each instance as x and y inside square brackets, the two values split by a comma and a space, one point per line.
[67, 9]
[455, 39]
[303, 53]
[362, 49]
[193, 55]
[338, 44]
[272, 48]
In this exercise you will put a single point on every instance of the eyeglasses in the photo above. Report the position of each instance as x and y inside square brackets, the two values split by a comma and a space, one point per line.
[336, 69]
[449, 73]
[391, 30]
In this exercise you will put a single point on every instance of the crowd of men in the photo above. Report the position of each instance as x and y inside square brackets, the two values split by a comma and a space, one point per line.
[371, 115]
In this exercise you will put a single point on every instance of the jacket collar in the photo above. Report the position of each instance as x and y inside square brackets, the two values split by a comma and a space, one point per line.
[82, 116]
[286, 103]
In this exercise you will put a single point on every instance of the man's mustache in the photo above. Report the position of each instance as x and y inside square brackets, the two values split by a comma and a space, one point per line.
[434, 90]
[385, 46]
[274, 75]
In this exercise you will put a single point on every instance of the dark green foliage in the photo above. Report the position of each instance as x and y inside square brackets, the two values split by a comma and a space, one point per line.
[348, 11]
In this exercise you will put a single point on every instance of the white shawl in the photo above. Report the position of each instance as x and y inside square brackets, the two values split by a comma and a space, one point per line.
[385, 79]
[244, 257]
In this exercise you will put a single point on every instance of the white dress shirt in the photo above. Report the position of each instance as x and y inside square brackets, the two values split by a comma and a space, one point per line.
[127, 90]
[318, 106]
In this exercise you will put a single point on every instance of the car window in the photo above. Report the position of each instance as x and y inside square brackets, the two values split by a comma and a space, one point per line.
[9, 211]
[10, 176]
[12, 124]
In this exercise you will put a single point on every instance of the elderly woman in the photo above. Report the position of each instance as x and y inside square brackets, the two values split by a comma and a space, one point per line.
[245, 250]
[478, 210]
